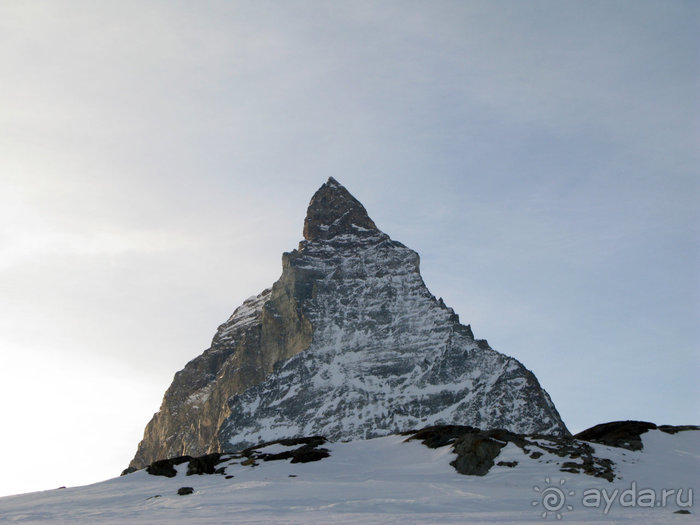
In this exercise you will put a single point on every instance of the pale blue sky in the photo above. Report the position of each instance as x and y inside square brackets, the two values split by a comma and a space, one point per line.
[156, 158]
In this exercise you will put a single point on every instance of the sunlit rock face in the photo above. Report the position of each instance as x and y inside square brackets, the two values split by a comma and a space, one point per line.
[349, 343]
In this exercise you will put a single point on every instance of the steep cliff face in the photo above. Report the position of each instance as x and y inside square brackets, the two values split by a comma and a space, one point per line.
[265, 329]
[349, 343]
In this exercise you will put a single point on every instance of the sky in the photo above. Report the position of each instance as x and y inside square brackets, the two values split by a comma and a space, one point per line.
[157, 157]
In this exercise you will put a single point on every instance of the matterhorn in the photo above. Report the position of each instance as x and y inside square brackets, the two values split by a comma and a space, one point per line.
[347, 344]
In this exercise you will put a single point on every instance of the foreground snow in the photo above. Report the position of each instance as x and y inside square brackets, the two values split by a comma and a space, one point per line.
[383, 480]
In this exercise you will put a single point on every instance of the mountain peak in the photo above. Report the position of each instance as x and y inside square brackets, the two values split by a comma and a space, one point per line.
[334, 211]
[347, 344]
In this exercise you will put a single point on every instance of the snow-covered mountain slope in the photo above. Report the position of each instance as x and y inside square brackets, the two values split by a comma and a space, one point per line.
[386, 356]
[391, 480]
[348, 343]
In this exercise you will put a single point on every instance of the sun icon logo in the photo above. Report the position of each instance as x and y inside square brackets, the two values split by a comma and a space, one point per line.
[553, 499]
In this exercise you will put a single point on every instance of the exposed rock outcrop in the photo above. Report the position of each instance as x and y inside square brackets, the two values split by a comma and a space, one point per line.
[297, 450]
[626, 434]
[477, 450]
[334, 211]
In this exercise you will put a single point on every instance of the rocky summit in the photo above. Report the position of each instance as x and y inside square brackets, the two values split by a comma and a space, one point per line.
[348, 344]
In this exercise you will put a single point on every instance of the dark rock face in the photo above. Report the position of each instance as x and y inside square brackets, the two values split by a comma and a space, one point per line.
[184, 491]
[477, 450]
[333, 211]
[623, 434]
[348, 344]
[674, 429]
[299, 450]
[166, 467]
[308, 449]
[439, 436]
[626, 434]
[203, 464]
[475, 453]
